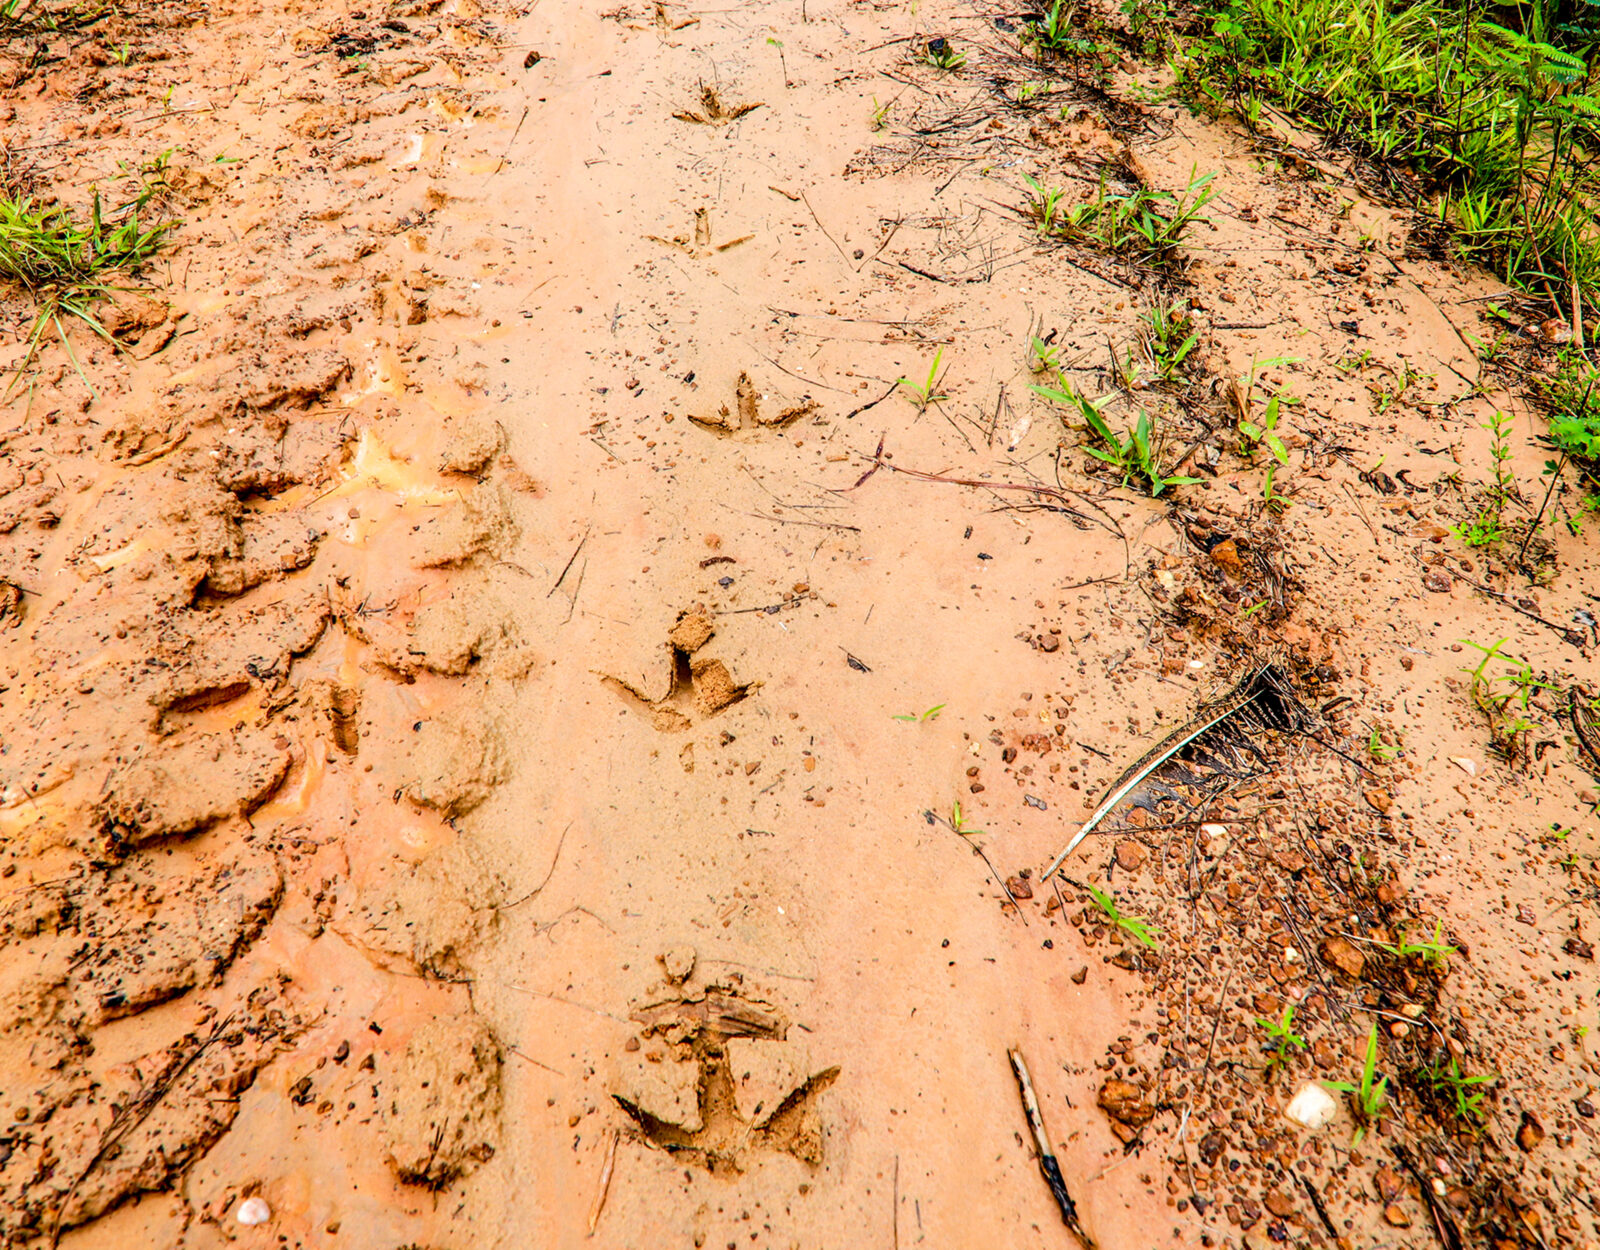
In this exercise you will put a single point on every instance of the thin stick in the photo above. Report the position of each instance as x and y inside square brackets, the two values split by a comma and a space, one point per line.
[605, 1183]
[554, 859]
[804, 199]
[1316, 1201]
[856, 412]
[897, 1202]
[972, 844]
[501, 164]
[1047, 1156]
[571, 560]
[808, 381]
[1555, 480]
[1573, 637]
[778, 520]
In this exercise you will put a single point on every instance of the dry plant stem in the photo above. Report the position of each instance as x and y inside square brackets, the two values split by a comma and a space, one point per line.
[1047, 1158]
[605, 1182]
[1049, 492]
[1443, 1226]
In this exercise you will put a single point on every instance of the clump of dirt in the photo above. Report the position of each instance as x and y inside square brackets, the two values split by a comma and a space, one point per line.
[433, 913]
[698, 683]
[473, 444]
[692, 630]
[440, 1117]
[175, 790]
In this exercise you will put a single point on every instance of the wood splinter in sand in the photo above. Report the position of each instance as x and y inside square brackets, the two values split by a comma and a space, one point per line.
[1047, 1156]
[1263, 695]
[605, 1183]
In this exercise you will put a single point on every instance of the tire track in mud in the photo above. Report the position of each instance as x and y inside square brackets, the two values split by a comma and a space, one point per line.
[259, 622]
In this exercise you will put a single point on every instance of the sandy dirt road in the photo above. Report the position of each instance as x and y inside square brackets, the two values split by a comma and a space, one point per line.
[469, 716]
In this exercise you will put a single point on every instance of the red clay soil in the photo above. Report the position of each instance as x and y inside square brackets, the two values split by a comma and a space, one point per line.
[517, 727]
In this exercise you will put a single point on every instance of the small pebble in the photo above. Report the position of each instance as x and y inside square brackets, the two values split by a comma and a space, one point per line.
[253, 1211]
[1312, 1107]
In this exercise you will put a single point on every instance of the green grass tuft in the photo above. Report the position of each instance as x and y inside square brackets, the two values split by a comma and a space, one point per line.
[66, 266]
[1498, 124]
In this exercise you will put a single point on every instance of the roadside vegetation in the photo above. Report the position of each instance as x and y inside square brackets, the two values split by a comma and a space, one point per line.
[1487, 115]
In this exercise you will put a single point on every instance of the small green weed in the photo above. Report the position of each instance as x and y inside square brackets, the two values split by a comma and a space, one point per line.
[1573, 397]
[1275, 500]
[1053, 31]
[928, 392]
[1043, 355]
[959, 824]
[1387, 395]
[1135, 456]
[1463, 1094]
[1263, 433]
[1495, 694]
[880, 113]
[1044, 204]
[1150, 23]
[1136, 927]
[1487, 527]
[1493, 350]
[1257, 430]
[1482, 531]
[1369, 1097]
[782, 60]
[942, 54]
[1587, 507]
[1143, 223]
[1282, 1041]
[931, 714]
[1378, 746]
[1434, 953]
[1171, 337]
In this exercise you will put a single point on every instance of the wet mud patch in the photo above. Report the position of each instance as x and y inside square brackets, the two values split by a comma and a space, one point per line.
[76, 1149]
[184, 787]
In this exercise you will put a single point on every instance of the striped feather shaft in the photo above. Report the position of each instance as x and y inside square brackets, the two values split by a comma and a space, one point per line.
[1153, 760]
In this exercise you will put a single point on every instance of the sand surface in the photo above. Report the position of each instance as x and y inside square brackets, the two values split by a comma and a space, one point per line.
[469, 768]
